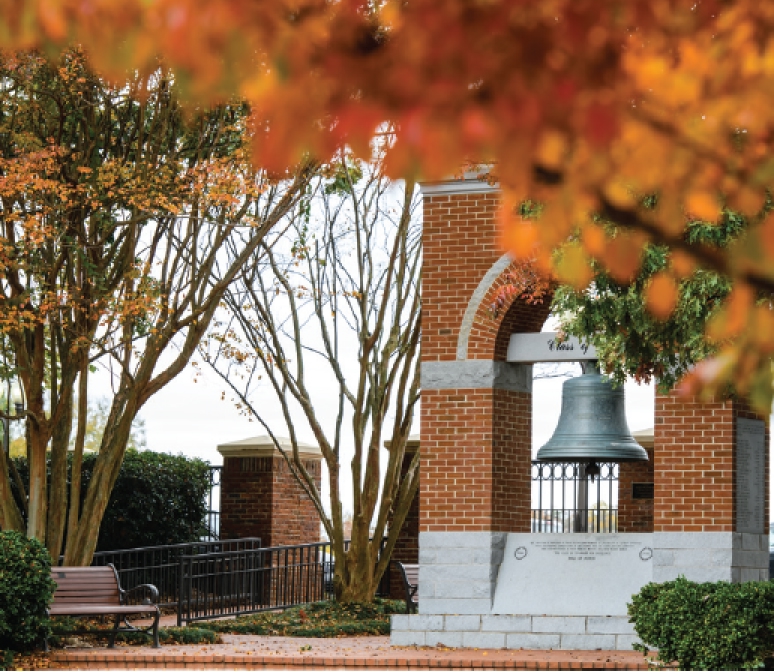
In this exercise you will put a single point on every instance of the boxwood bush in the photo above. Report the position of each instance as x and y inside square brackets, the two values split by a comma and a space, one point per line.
[707, 626]
[158, 499]
[26, 589]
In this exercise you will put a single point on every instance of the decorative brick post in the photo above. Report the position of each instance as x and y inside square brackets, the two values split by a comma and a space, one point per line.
[407, 546]
[476, 407]
[260, 497]
[711, 507]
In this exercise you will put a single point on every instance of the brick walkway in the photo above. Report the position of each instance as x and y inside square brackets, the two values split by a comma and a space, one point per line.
[261, 652]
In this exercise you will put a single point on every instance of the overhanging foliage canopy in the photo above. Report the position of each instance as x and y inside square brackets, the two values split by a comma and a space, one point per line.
[584, 105]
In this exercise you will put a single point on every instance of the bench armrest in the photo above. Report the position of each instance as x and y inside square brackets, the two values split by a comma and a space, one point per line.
[152, 599]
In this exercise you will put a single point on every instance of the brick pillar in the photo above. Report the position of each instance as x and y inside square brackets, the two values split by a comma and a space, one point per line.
[711, 506]
[635, 490]
[260, 497]
[407, 546]
[476, 407]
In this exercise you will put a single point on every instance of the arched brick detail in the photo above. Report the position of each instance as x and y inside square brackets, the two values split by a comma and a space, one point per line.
[475, 429]
[489, 333]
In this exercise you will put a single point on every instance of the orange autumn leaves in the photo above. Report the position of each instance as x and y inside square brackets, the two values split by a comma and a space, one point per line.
[584, 105]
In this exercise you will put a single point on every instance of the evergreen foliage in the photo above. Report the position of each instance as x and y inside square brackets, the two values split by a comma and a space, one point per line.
[706, 626]
[26, 588]
[158, 499]
[630, 341]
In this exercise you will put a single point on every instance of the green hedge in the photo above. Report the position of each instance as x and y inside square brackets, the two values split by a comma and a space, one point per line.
[26, 589]
[158, 499]
[707, 626]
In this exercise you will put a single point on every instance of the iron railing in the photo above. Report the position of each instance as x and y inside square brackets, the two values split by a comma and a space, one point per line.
[566, 499]
[160, 565]
[246, 581]
[213, 504]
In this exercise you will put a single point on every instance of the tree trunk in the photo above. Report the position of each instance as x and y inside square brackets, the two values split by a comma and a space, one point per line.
[356, 582]
[83, 542]
[10, 516]
[74, 513]
[57, 502]
[38, 503]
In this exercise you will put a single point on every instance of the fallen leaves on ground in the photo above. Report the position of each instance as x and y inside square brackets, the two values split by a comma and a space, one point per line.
[321, 619]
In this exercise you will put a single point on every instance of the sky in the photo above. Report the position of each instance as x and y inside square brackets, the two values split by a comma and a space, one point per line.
[192, 417]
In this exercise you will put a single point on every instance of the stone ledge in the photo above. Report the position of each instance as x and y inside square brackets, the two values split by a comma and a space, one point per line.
[514, 632]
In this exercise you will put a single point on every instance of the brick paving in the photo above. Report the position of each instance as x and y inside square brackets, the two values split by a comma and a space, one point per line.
[263, 652]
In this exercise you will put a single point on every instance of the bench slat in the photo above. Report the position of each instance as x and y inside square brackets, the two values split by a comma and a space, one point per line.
[99, 610]
[88, 600]
[85, 586]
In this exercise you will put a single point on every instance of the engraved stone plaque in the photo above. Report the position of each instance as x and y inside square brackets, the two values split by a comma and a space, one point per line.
[750, 475]
[572, 574]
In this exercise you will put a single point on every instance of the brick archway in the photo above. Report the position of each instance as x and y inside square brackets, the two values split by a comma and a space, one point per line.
[476, 426]
[483, 335]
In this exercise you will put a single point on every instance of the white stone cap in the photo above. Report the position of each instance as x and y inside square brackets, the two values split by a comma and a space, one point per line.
[412, 443]
[469, 183]
[644, 437]
[263, 446]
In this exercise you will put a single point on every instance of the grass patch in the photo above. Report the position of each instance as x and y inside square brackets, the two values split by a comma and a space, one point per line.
[96, 632]
[320, 619]
[189, 635]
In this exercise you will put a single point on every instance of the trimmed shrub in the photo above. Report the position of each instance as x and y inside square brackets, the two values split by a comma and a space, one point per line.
[158, 499]
[706, 626]
[26, 588]
[7, 662]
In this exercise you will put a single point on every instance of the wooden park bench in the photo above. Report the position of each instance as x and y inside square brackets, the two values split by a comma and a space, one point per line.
[96, 591]
[410, 575]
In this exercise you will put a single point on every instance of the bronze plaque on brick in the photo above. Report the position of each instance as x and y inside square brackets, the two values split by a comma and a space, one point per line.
[642, 490]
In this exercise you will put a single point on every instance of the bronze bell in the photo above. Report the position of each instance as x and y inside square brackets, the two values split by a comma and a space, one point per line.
[592, 426]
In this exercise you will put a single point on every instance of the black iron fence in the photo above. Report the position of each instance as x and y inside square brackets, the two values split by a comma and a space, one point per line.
[160, 565]
[565, 498]
[213, 504]
[245, 581]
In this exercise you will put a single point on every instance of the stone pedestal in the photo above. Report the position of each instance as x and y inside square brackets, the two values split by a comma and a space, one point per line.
[260, 497]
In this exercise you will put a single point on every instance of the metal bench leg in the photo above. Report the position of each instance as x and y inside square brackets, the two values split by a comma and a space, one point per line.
[112, 639]
[156, 644]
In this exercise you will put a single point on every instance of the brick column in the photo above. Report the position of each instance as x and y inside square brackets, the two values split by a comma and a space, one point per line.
[407, 546]
[476, 407]
[260, 497]
[635, 490]
[702, 529]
